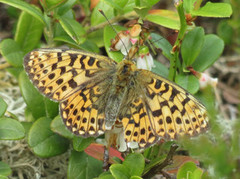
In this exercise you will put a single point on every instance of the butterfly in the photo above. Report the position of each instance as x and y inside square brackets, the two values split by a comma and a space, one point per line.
[95, 93]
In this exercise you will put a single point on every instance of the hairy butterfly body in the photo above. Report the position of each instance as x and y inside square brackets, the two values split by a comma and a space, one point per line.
[95, 92]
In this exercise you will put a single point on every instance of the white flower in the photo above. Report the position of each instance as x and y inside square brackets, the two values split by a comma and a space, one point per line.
[145, 59]
[123, 44]
[205, 80]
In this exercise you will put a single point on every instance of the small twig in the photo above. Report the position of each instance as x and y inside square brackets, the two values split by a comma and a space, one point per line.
[106, 159]
[158, 168]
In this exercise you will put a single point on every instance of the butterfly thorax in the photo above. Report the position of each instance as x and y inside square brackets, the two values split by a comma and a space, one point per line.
[118, 91]
[125, 70]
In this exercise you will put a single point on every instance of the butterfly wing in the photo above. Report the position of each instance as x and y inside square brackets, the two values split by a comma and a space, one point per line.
[162, 109]
[59, 73]
[83, 112]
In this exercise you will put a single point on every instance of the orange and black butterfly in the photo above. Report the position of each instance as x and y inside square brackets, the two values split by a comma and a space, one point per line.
[95, 92]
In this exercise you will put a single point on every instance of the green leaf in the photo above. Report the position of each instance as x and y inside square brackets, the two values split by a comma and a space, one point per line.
[188, 82]
[211, 50]
[214, 10]
[197, 174]
[63, 8]
[97, 17]
[12, 52]
[96, 37]
[5, 170]
[3, 177]
[191, 45]
[58, 127]
[33, 99]
[28, 32]
[115, 4]
[186, 169]
[11, 129]
[33, 10]
[28, 115]
[108, 35]
[225, 31]
[130, 162]
[160, 69]
[164, 18]
[27, 126]
[52, 4]
[106, 175]
[188, 5]
[163, 44]
[51, 108]
[43, 141]
[135, 177]
[120, 171]
[73, 28]
[142, 11]
[83, 166]
[86, 46]
[80, 143]
[15, 71]
[3, 107]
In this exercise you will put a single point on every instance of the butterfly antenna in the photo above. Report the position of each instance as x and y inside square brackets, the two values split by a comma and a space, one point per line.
[113, 29]
[152, 42]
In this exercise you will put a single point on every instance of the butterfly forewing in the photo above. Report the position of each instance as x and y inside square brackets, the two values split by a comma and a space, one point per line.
[59, 73]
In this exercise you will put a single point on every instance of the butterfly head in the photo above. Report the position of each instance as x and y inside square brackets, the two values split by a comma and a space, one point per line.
[125, 69]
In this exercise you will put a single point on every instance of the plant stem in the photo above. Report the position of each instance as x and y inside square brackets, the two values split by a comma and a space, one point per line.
[175, 63]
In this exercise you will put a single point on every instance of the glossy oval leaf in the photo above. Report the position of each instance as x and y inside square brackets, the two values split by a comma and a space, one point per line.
[211, 50]
[130, 162]
[64, 7]
[163, 44]
[87, 45]
[165, 18]
[33, 99]
[28, 32]
[5, 170]
[120, 171]
[188, 82]
[214, 10]
[12, 52]
[186, 169]
[160, 69]
[191, 45]
[51, 108]
[80, 143]
[33, 10]
[58, 127]
[43, 141]
[188, 5]
[109, 34]
[3, 107]
[97, 18]
[106, 175]
[11, 129]
[73, 28]
[83, 166]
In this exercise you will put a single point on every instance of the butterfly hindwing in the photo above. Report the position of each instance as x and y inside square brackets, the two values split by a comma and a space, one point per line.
[137, 125]
[59, 73]
[82, 113]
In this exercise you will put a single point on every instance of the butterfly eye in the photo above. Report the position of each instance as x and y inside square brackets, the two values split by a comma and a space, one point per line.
[125, 69]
